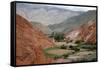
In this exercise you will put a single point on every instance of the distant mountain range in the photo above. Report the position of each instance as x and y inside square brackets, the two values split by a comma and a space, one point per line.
[45, 14]
[74, 22]
[50, 19]
[45, 29]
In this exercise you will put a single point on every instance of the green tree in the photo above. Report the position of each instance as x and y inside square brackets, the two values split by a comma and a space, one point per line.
[57, 36]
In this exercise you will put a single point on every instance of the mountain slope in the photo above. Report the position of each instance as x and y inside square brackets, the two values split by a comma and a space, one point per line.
[44, 28]
[44, 14]
[74, 22]
[86, 33]
[30, 43]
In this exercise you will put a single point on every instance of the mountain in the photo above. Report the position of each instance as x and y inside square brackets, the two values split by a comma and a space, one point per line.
[86, 33]
[45, 14]
[74, 22]
[30, 43]
[44, 28]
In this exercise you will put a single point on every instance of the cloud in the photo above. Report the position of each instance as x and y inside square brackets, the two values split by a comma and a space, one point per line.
[75, 8]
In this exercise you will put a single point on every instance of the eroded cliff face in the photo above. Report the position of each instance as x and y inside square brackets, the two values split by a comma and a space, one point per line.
[86, 32]
[30, 43]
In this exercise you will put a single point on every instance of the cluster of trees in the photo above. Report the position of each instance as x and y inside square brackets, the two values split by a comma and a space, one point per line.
[57, 36]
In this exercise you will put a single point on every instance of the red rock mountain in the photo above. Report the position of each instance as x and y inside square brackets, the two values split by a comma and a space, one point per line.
[30, 43]
[87, 33]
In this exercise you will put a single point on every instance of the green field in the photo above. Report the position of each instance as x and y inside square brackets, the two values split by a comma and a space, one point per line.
[67, 52]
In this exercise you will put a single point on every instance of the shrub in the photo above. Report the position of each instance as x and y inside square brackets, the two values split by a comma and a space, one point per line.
[77, 49]
[74, 48]
[63, 47]
[65, 56]
[71, 47]
[57, 36]
[56, 57]
[79, 41]
[70, 40]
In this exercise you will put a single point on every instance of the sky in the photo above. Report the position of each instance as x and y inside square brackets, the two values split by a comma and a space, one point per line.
[75, 8]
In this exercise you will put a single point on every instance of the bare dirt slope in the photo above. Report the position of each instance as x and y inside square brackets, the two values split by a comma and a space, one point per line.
[86, 32]
[30, 43]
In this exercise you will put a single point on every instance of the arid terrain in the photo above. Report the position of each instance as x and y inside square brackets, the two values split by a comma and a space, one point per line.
[29, 44]
[57, 37]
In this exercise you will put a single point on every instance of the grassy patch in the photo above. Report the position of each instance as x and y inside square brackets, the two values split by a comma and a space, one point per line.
[89, 47]
[56, 52]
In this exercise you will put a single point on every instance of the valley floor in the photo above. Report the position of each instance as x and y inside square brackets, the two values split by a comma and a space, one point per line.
[71, 52]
